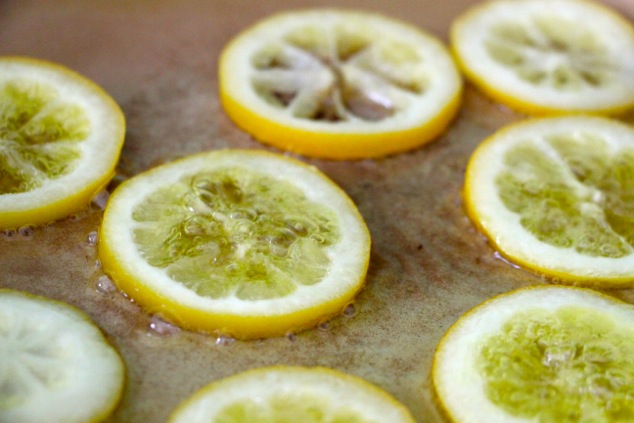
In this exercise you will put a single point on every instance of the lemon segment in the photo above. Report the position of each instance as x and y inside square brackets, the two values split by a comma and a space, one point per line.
[239, 243]
[339, 84]
[555, 195]
[547, 354]
[535, 57]
[60, 140]
[56, 365]
[291, 394]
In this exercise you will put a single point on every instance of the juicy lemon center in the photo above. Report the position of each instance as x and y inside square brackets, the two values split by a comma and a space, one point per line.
[560, 366]
[236, 232]
[551, 51]
[39, 135]
[30, 361]
[338, 73]
[573, 192]
[289, 407]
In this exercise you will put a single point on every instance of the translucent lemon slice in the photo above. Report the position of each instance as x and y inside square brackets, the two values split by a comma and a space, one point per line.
[55, 366]
[236, 242]
[555, 195]
[291, 394]
[60, 139]
[544, 354]
[339, 84]
[548, 57]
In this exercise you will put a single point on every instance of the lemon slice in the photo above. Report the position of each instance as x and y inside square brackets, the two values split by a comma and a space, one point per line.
[56, 366]
[291, 394]
[339, 84]
[236, 242]
[548, 56]
[555, 195]
[543, 354]
[60, 139]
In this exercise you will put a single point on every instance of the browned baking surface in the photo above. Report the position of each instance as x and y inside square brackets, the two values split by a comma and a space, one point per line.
[158, 60]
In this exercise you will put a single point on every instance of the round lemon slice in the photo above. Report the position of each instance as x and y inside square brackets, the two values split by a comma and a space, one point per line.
[236, 242]
[339, 84]
[55, 366]
[60, 140]
[543, 354]
[548, 56]
[291, 394]
[555, 195]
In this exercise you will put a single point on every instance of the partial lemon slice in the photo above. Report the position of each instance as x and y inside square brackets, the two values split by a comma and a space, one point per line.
[555, 195]
[60, 139]
[236, 242]
[548, 56]
[339, 84]
[55, 365]
[291, 394]
[543, 354]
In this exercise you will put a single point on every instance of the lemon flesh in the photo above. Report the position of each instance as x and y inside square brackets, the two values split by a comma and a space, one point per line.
[574, 364]
[60, 139]
[542, 354]
[339, 84]
[533, 55]
[236, 232]
[291, 394]
[240, 243]
[56, 365]
[39, 141]
[555, 195]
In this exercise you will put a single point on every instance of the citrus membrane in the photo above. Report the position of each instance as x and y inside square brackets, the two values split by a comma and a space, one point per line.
[291, 394]
[555, 195]
[543, 354]
[60, 140]
[339, 84]
[236, 242]
[548, 57]
[56, 365]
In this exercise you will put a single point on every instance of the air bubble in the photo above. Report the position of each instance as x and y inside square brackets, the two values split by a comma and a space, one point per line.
[101, 199]
[26, 231]
[9, 233]
[324, 327]
[92, 238]
[349, 311]
[161, 327]
[500, 257]
[224, 340]
[105, 285]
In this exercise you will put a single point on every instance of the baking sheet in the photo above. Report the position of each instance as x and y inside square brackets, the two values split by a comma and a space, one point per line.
[158, 59]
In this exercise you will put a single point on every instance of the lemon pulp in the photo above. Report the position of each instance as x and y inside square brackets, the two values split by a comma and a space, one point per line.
[38, 133]
[574, 364]
[574, 193]
[235, 231]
